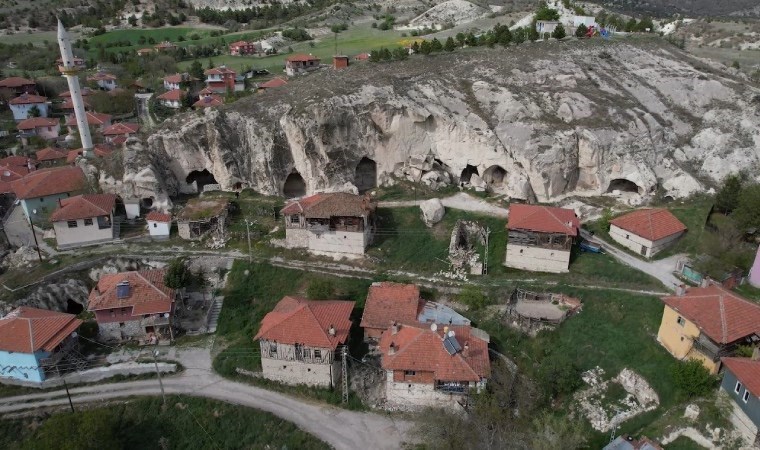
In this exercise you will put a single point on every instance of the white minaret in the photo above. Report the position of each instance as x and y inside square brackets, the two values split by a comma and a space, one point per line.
[69, 70]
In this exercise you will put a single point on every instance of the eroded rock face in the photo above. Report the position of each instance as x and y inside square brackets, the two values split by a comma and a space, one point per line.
[53, 296]
[539, 121]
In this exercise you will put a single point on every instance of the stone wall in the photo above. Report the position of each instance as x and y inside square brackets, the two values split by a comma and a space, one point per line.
[297, 372]
[338, 243]
[417, 395]
[537, 259]
[120, 331]
[297, 237]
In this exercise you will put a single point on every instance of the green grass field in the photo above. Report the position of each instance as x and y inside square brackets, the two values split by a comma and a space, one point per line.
[186, 423]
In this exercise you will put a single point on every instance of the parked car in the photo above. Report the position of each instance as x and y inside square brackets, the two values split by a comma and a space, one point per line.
[587, 246]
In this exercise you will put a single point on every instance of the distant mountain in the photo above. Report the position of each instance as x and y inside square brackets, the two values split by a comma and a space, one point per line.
[688, 8]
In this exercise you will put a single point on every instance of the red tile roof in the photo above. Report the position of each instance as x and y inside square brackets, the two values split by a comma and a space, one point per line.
[17, 161]
[43, 182]
[85, 92]
[326, 205]
[27, 330]
[164, 45]
[72, 155]
[144, 51]
[173, 79]
[14, 82]
[240, 44]
[221, 70]
[84, 207]
[301, 58]
[93, 119]
[542, 219]
[49, 154]
[722, 315]
[391, 302]
[209, 101]
[100, 76]
[69, 104]
[102, 150]
[206, 91]
[27, 99]
[362, 57]
[652, 224]
[9, 174]
[273, 83]
[121, 128]
[156, 216]
[173, 95]
[147, 292]
[37, 122]
[299, 321]
[747, 371]
[420, 349]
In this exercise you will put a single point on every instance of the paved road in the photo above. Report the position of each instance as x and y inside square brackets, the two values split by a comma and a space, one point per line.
[340, 428]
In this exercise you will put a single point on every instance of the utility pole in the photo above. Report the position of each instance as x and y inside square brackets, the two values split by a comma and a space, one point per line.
[158, 374]
[65, 386]
[248, 233]
[485, 258]
[344, 373]
[36, 244]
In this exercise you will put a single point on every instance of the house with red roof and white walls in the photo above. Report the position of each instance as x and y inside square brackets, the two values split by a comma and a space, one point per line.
[83, 220]
[41, 127]
[134, 305]
[14, 86]
[33, 342]
[50, 157]
[172, 99]
[39, 191]
[300, 64]
[22, 106]
[299, 341]
[159, 225]
[540, 237]
[104, 80]
[118, 133]
[647, 231]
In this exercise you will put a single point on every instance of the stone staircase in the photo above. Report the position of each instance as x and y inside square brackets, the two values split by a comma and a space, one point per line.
[213, 315]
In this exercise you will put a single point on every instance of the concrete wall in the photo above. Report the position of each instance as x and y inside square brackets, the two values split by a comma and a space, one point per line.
[635, 243]
[332, 243]
[48, 132]
[297, 237]
[120, 331]
[25, 366]
[298, 372]
[413, 394]
[21, 112]
[751, 408]
[159, 229]
[81, 234]
[44, 206]
[537, 259]
[678, 339]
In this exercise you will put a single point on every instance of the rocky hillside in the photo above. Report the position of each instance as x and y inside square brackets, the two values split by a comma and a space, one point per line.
[540, 121]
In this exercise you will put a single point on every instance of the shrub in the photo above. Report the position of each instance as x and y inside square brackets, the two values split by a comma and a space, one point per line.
[559, 375]
[320, 289]
[472, 296]
[692, 378]
[581, 30]
[559, 32]
[177, 274]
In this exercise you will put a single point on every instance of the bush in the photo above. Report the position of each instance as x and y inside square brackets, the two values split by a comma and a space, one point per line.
[320, 289]
[581, 30]
[296, 34]
[747, 212]
[559, 32]
[692, 378]
[472, 296]
[177, 274]
[559, 374]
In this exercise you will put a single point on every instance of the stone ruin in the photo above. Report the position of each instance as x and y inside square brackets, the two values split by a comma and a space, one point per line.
[463, 247]
[426, 170]
[532, 312]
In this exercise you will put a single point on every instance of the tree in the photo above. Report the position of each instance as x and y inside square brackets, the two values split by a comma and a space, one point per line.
[728, 195]
[210, 64]
[449, 46]
[320, 289]
[400, 53]
[425, 48]
[630, 26]
[34, 111]
[557, 431]
[461, 38]
[132, 20]
[559, 374]
[177, 274]
[645, 25]
[747, 212]
[416, 47]
[546, 13]
[436, 45]
[559, 32]
[518, 36]
[692, 378]
[581, 31]
[196, 70]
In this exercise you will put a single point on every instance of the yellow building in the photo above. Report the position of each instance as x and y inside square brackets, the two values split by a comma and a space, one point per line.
[707, 323]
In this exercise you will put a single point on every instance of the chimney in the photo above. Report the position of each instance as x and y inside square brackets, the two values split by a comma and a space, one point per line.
[394, 328]
[331, 331]
[392, 349]
[755, 354]
[680, 290]
[705, 282]
[466, 352]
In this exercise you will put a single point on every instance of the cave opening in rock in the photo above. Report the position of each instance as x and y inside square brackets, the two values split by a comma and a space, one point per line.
[73, 307]
[147, 202]
[201, 178]
[467, 173]
[294, 186]
[365, 177]
[494, 176]
[623, 185]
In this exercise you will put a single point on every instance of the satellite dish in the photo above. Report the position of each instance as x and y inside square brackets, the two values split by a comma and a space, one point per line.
[451, 333]
[433, 327]
[74, 334]
[166, 315]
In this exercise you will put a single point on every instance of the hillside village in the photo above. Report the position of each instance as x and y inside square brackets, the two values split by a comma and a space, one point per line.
[280, 208]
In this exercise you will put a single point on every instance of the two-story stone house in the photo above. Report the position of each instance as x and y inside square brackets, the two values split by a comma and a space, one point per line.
[540, 237]
[300, 64]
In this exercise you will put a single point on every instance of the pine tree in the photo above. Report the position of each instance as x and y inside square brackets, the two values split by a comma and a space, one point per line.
[436, 45]
[559, 32]
[581, 31]
[449, 46]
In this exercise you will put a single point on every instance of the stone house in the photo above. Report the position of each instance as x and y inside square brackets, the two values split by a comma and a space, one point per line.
[299, 341]
[707, 323]
[85, 220]
[331, 224]
[646, 231]
[159, 225]
[433, 365]
[40, 191]
[33, 342]
[540, 237]
[133, 305]
[50, 157]
[172, 99]
[201, 217]
[22, 105]
[104, 80]
[300, 64]
[42, 127]
[14, 86]
[741, 383]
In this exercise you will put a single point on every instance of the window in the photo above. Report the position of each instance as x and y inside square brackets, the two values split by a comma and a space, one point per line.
[307, 353]
[681, 321]
[627, 236]
[42, 199]
[294, 218]
[745, 397]
[72, 223]
[409, 373]
[87, 222]
[317, 354]
[738, 387]
[155, 225]
[273, 347]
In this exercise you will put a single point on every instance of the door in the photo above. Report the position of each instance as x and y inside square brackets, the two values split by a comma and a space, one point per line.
[644, 250]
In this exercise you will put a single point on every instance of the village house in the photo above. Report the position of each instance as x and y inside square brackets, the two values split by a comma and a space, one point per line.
[40, 190]
[144, 51]
[67, 107]
[362, 57]
[86, 92]
[118, 133]
[14, 86]
[626, 442]
[546, 26]
[240, 48]
[172, 82]
[33, 342]
[159, 225]
[331, 224]
[133, 305]
[340, 62]
[707, 323]
[433, 365]
[49, 157]
[300, 64]
[273, 83]
[220, 79]
[203, 216]
[165, 46]
[104, 80]
[741, 383]
[540, 237]
[97, 121]
[172, 99]
[23, 106]
[84, 220]
[299, 339]
[208, 101]
[41, 127]
[646, 231]
[9, 174]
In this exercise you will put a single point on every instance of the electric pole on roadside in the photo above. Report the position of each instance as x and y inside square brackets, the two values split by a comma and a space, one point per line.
[66, 386]
[344, 373]
[485, 258]
[248, 234]
[158, 374]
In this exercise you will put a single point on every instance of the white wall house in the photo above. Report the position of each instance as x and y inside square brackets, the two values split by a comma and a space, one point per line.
[24, 103]
[159, 225]
[647, 231]
[84, 220]
[540, 238]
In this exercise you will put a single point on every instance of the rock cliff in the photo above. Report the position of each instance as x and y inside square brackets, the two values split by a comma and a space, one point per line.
[539, 121]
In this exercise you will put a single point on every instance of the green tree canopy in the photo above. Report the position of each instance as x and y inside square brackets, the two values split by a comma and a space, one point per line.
[581, 30]
[196, 70]
[728, 195]
[177, 274]
[546, 13]
[747, 212]
[692, 378]
[449, 46]
[559, 32]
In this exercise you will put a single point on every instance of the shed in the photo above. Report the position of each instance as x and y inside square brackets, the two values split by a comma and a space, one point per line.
[159, 225]
[203, 216]
[132, 206]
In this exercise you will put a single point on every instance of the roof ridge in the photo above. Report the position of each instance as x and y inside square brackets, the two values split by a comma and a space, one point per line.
[546, 208]
[307, 305]
[151, 283]
[723, 323]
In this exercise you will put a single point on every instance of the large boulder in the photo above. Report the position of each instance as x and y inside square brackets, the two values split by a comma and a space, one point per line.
[432, 211]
